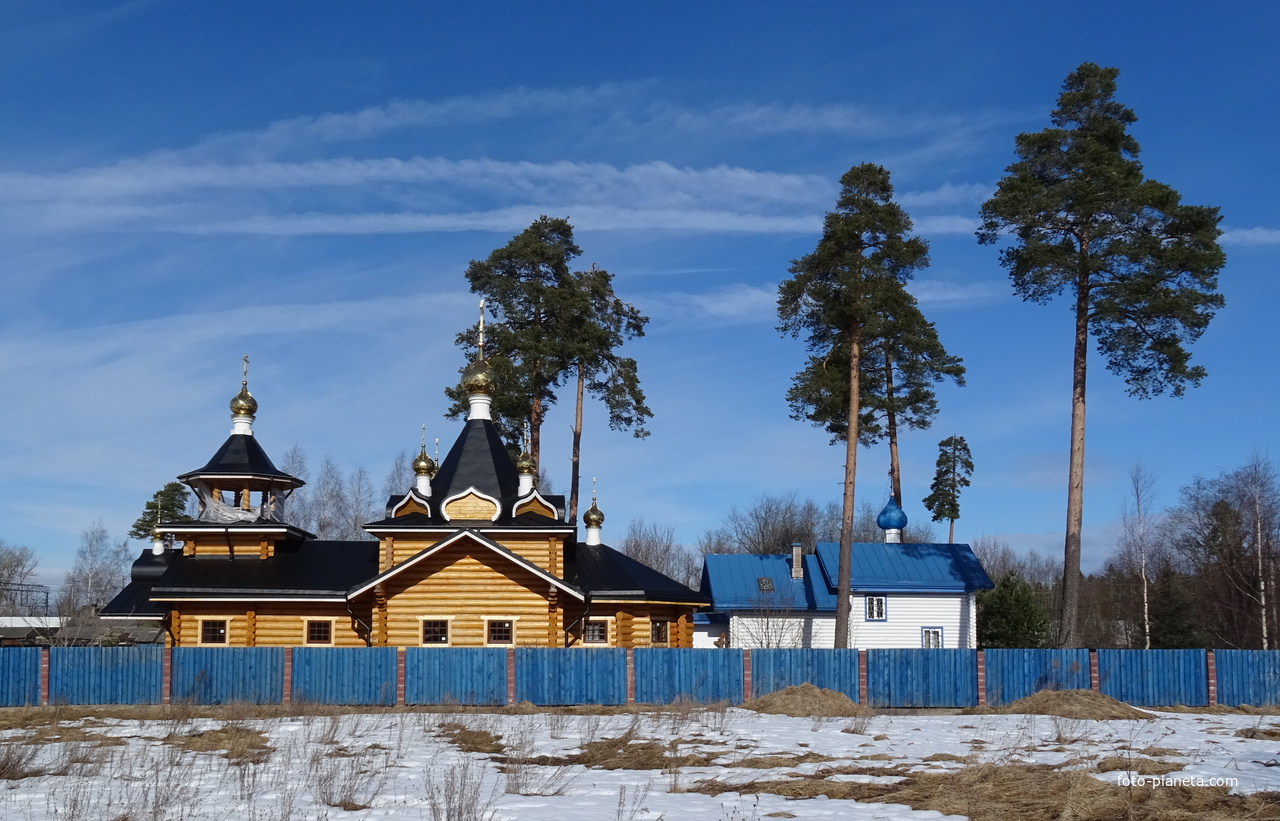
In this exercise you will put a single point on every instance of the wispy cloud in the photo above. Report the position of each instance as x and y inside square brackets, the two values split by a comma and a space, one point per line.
[731, 305]
[1251, 236]
[946, 194]
[938, 293]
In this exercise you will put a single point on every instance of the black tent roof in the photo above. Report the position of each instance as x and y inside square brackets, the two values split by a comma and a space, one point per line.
[241, 455]
[478, 459]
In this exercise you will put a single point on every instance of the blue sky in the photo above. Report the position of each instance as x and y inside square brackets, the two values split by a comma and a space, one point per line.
[182, 183]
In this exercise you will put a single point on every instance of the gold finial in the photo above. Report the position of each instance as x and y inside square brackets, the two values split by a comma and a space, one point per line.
[478, 376]
[524, 462]
[594, 517]
[437, 448]
[244, 404]
[424, 437]
[422, 465]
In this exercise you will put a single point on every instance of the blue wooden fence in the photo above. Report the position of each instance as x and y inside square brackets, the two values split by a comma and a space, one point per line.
[773, 670]
[455, 675]
[344, 675]
[549, 676]
[1015, 674]
[922, 678]
[19, 676]
[105, 675]
[1248, 677]
[219, 675]
[664, 675]
[558, 675]
[1154, 678]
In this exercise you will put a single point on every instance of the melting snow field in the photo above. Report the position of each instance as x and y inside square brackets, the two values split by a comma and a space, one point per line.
[558, 767]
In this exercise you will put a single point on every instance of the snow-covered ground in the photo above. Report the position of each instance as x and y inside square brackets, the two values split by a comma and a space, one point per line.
[408, 765]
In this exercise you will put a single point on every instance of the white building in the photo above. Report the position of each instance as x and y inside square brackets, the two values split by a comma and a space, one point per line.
[903, 595]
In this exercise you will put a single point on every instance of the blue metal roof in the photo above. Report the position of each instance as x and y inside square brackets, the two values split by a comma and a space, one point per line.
[732, 582]
[927, 568]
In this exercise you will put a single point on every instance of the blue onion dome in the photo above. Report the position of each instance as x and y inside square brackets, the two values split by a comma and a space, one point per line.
[892, 517]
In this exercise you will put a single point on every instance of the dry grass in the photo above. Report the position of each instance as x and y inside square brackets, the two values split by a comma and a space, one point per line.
[768, 762]
[16, 760]
[1025, 793]
[1264, 733]
[470, 740]
[1070, 704]
[1139, 765]
[807, 701]
[239, 744]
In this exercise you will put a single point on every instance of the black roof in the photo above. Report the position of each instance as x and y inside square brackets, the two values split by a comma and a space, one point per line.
[478, 459]
[602, 572]
[241, 455]
[298, 569]
[135, 599]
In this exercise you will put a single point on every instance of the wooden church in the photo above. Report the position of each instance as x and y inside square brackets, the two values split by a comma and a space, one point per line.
[471, 555]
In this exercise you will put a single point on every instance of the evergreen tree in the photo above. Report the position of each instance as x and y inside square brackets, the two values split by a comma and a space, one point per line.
[900, 372]
[1174, 625]
[955, 466]
[1141, 266]
[170, 501]
[603, 324]
[1010, 615]
[836, 297]
[530, 292]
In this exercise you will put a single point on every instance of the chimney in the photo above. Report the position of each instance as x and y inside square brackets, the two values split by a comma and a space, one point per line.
[797, 562]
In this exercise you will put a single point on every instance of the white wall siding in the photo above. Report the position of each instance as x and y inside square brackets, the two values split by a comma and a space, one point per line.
[705, 636]
[907, 615]
[802, 630]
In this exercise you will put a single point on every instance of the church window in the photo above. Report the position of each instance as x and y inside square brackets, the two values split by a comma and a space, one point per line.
[658, 633]
[436, 632]
[500, 632]
[213, 631]
[319, 632]
[595, 631]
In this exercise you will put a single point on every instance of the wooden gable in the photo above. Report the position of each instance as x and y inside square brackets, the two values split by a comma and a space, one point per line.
[471, 506]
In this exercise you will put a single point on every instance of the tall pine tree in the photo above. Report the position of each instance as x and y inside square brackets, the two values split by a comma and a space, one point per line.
[835, 298]
[955, 466]
[1140, 266]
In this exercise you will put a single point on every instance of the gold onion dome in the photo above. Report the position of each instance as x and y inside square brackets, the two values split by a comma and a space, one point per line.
[423, 466]
[478, 378]
[594, 517]
[244, 404]
[525, 463]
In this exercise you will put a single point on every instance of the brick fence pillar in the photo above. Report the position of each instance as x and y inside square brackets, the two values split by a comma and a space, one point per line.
[166, 675]
[1095, 681]
[746, 675]
[1211, 670]
[511, 675]
[631, 675]
[44, 675]
[862, 676]
[982, 679]
[286, 686]
[399, 675]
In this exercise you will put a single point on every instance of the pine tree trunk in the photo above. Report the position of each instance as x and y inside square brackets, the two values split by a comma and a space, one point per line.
[951, 533]
[1069, 633]
[1257, 547]
[891, 415]
[574, 469]
[535, 419]
[845, 566]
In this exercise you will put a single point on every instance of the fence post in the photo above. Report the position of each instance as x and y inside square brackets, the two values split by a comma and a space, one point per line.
[286, 687]
[1211, 668]
[1095, 681]
[982, 679]
[862, 677]
[166, 675]
[746, 675]
[511, 675]
[399, 676]
[631, 675]
[44, 675]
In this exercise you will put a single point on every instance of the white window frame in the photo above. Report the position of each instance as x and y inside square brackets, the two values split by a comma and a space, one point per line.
[608, 632]
[306, 631]
[884, 608]
[924, 638]
[515, 625]
[226, 636]
[448, 630]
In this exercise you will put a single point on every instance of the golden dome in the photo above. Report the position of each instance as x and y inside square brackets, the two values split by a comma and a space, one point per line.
[244, 404]
[423, 465]
[525, 463]
[478, 378]
[593, 517]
